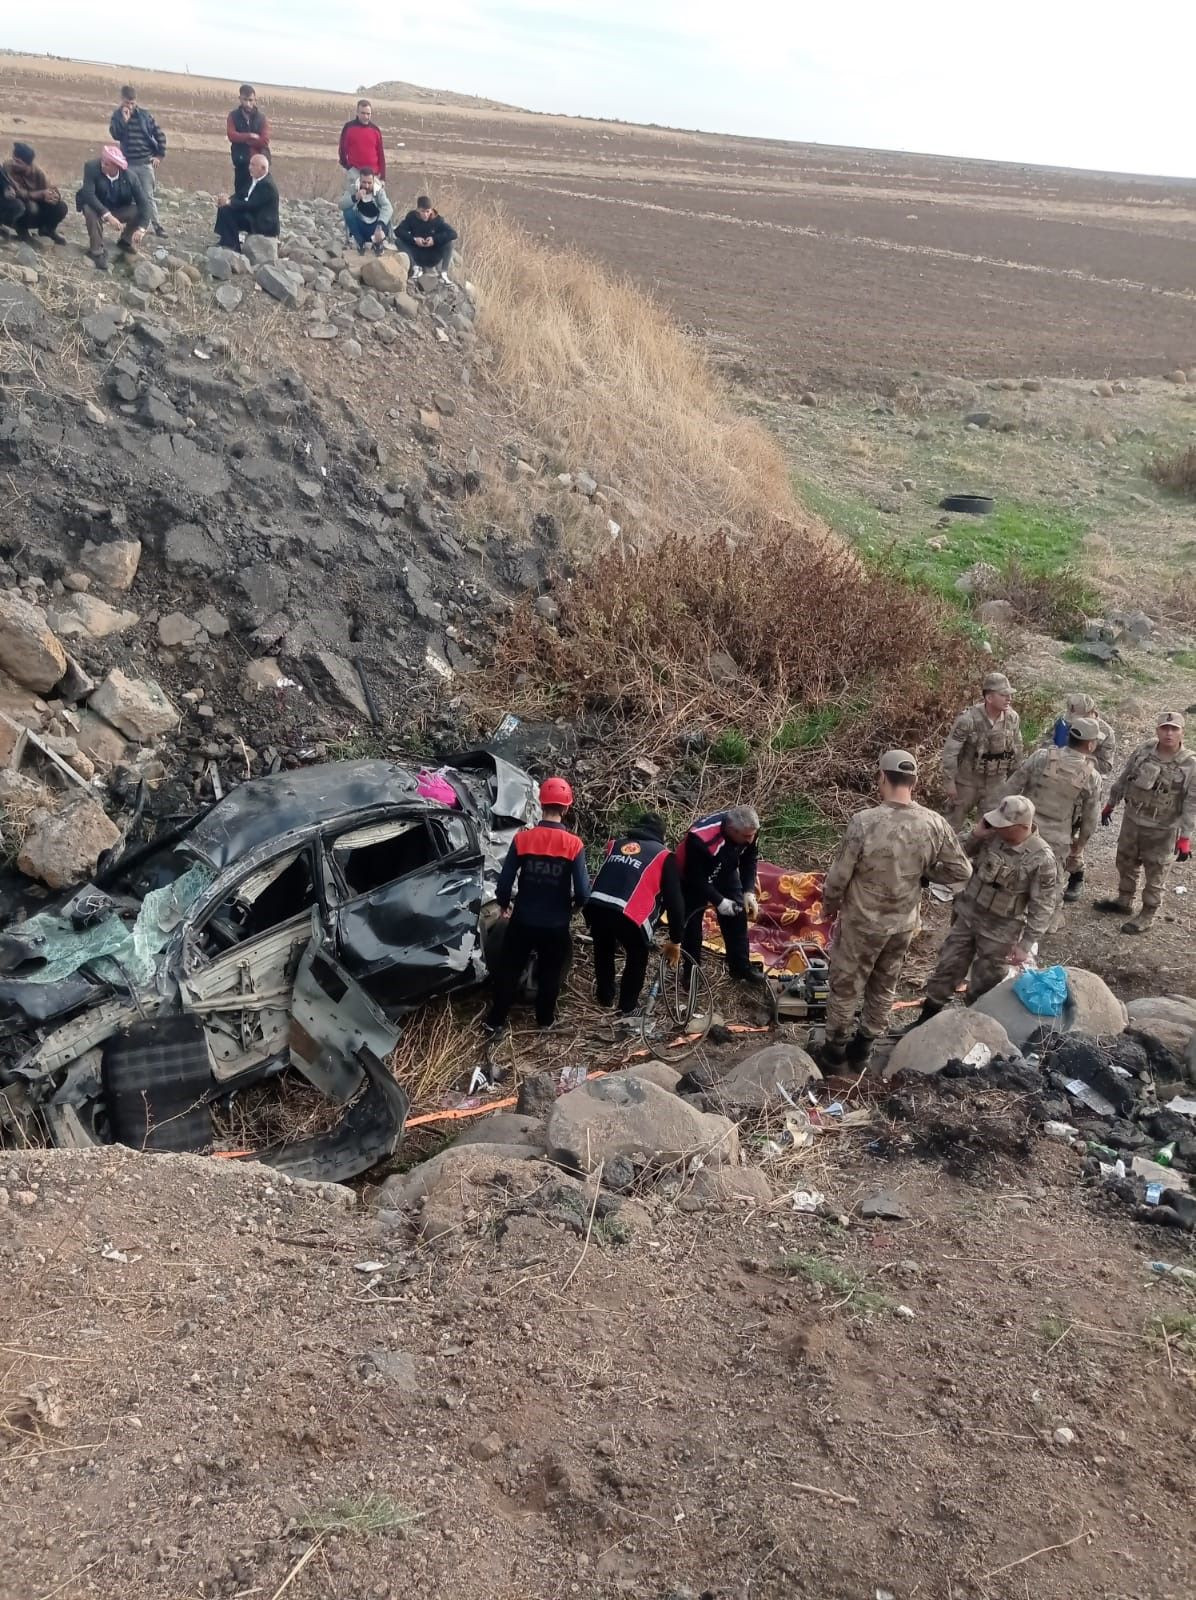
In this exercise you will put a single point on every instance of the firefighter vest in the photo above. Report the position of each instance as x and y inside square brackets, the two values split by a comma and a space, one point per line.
[630, 877]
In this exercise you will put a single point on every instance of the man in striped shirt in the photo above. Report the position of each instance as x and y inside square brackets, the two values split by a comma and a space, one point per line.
[144, 145]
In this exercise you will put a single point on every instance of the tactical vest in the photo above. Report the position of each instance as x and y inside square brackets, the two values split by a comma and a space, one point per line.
[994, 745]
[1154, 795]
[1057, 790]
[630, 878]
[1000, 884]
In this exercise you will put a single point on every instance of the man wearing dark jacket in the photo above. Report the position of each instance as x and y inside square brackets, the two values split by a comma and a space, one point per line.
[248, 130]
[717, 859]
[12, 208]
[256, 213]
[107, 199]
[638, 877]
[549, 865]
[427, 238]
[144, 146]
[35, 203]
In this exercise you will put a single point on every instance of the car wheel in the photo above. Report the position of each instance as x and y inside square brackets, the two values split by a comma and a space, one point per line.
[156, 1080]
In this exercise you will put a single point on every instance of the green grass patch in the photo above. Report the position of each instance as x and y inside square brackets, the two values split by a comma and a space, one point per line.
[376, 1513]
[731, 749]
[804, 729]
[838, 1280]
[1039, 544]
[1176, 1328]
[798, 824]
[1184, 658]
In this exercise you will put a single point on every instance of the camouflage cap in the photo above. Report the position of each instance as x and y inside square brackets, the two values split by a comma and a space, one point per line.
[1171, 719]
[899, 764]
[1015, 811]
[996, 683]
[1081, 705]
[1085, 728]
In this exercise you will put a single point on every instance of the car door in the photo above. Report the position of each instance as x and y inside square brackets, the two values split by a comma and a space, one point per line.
[408, 895]
[240, 957]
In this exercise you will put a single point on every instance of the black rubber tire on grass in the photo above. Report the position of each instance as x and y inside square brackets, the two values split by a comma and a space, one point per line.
[973, 505]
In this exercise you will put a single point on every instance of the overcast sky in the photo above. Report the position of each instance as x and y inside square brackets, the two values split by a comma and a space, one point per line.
[1066, 82]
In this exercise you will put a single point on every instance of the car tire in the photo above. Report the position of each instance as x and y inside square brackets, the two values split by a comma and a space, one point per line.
[156, 1078]
[973, 505]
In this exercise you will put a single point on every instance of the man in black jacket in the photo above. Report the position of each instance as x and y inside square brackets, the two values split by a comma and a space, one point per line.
[248, 130]
[427, 239]
[717, 859]
[107, 199]
[144, 146]
[637, 879]
[256, 213]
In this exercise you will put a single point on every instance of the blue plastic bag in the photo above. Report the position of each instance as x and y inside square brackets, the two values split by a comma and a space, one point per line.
[1044, 993]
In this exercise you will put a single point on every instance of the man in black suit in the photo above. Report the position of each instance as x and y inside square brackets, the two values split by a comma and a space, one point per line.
[107, 198]
[256, 213]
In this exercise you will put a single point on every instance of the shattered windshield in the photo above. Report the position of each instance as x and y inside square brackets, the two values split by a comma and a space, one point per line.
[113, 949]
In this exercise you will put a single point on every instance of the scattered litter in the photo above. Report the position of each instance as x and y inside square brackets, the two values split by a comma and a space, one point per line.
[506, 727]
[1166, 1155]
[807, 1199]
[369, 1266]
[905, 1311]
[1063, 1132]
[571, 1078]
[941, 893]
[111, 1253]
[978, 1056]
[1168, 1269]
[1184, 1104]
[1181, 888]
[204, 355]
[1156, 1172]
[1154, 1193]
[1088, 1096]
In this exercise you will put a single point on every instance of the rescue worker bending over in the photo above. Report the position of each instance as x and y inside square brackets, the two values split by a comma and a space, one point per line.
[1003, 911]
[717, 860]
[549, 865]
[639, 875]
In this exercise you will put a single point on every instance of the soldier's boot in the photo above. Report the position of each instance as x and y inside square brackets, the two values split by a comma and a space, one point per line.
[859, 1050]
[1119, 905]
[830, 1055]
[1075, 882]
[1141, 922]
[930, 1008]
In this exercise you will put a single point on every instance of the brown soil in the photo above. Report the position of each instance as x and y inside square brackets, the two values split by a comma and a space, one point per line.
[673, 1415]
[801, 261]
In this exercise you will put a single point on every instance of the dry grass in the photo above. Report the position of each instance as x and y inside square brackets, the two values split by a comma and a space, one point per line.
[440, 1047]
[17, 811]
[1175, 471]
[610, 384]
[833, 663]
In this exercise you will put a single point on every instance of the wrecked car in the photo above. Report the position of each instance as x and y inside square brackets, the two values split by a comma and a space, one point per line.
[292, 924]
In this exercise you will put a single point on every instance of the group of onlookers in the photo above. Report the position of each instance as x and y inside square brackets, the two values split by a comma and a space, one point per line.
[118, 193]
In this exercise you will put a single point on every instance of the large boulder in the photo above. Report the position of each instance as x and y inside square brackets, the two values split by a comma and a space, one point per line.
[948, 1037]
[1171, 1019]
[457, 1165]
[29, 651]
[64, 844]
[503, 1127]
[387, 273]
[337, 680]
[763, 1079]
[1092, 1008]
[138, 707]
[113, 563]
[281, 283]
[626, 1116]
[258, 249]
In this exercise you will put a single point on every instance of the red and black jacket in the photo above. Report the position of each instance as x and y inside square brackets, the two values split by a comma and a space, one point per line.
[638, 876]
[549, 863]
[712, 868]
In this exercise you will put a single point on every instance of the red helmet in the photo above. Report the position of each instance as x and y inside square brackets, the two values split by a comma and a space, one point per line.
[555, 792]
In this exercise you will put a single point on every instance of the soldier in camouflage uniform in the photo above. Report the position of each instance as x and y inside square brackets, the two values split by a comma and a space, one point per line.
[1083, 705]
[1065, 788]
[1005, 909]
[1158, 785]
[874, 887]
[981, 752]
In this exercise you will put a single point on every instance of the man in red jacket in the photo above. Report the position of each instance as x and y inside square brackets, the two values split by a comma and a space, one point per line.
[361, 146]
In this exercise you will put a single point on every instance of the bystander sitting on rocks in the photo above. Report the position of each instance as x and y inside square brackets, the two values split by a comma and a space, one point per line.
[107, 199]
[368, 212]
[257, 212]
[33, 202]
[427, 239]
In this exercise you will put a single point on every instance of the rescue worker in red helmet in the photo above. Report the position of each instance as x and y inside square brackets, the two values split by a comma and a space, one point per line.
[638, 877]
[549, 865]
[717, 859]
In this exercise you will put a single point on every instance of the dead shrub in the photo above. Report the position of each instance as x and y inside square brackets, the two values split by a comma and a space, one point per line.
[1175, 470]
[1056, 603]
[817, 642]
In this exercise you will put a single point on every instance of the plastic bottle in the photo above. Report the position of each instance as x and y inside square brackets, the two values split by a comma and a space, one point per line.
[1167, 1270]
[1062, 732]
[1166, 1155]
